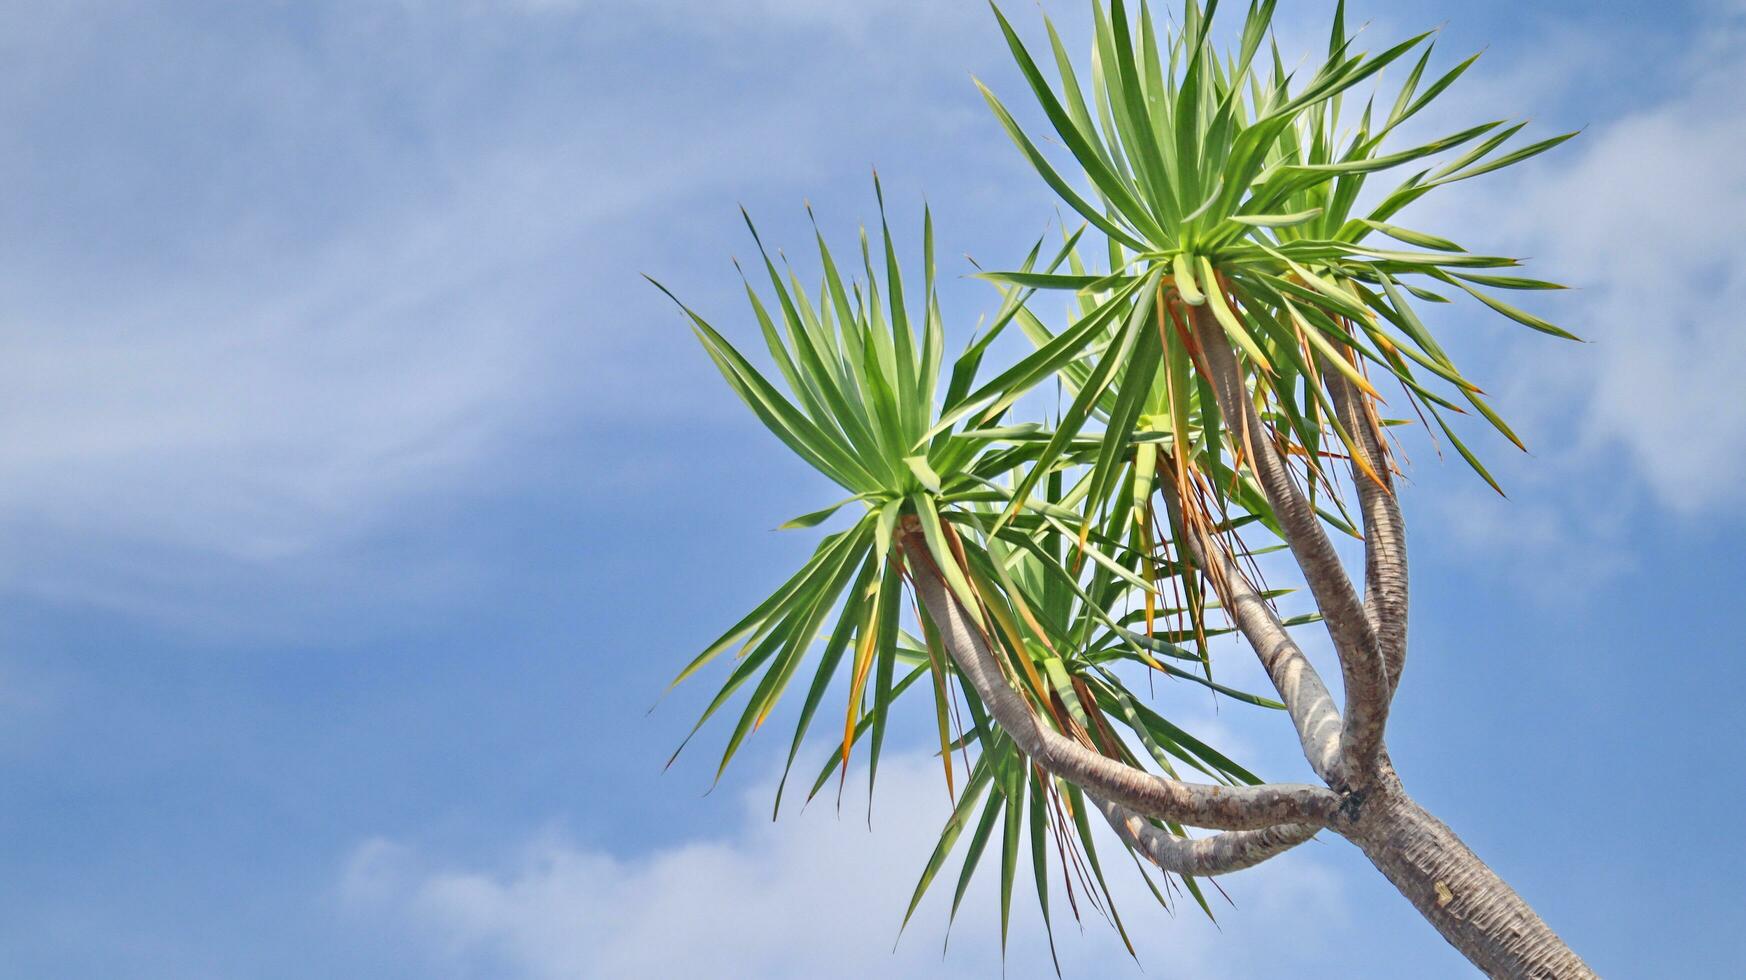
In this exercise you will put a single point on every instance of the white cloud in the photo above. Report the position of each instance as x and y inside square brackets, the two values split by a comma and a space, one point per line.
[811, 896]
[1647, 213]
[273, 409]
[355, 294]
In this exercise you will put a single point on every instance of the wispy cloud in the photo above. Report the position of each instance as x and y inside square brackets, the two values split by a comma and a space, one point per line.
[809, 896]
[349, 268]
[1646, 213]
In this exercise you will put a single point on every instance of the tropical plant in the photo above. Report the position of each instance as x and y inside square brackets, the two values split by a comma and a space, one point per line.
[1226, 356]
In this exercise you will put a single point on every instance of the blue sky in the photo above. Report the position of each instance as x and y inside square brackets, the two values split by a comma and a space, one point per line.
[357, 497]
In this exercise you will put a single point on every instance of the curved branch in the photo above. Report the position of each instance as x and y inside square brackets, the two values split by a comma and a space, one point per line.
[1361, 665]
[1194, 804]
[1385, 559]
[1294, 677]
[1203, 857]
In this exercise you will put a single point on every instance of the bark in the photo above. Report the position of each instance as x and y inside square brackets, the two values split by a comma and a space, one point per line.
[1455, 891]
[1385, 556]
[1203, 857]
[1363, 674]
[1194, 804]
[1300, 687]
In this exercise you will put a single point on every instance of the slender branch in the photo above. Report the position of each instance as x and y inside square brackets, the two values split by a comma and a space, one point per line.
[1203, 857]
[1194, 804]
[1385, 558]
[1361, 665]
[1306, 698]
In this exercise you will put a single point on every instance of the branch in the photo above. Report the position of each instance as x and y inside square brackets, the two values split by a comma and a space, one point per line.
[1194, 804]
[1294, 677]
[1385, 558]
[1203, 857]
[1361, 665]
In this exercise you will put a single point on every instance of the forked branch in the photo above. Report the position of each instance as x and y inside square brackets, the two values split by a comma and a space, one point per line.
[1193, 804]
[1361, 665]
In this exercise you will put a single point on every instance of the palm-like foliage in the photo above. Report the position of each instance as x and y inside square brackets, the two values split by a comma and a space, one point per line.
[1239, 275]
[863, 390]
[1222, 188]
[861, 408]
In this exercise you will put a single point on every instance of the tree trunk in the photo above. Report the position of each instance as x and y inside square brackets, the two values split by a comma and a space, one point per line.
[1454, 890]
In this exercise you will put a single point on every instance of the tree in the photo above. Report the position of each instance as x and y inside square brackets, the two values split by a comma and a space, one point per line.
[1232, 338]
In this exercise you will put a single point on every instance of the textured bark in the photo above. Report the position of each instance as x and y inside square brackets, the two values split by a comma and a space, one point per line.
[1385, 556]
[1364, 677]
[1300, 687]
[1203, 857]
[1194, 804]
[1455, 891]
